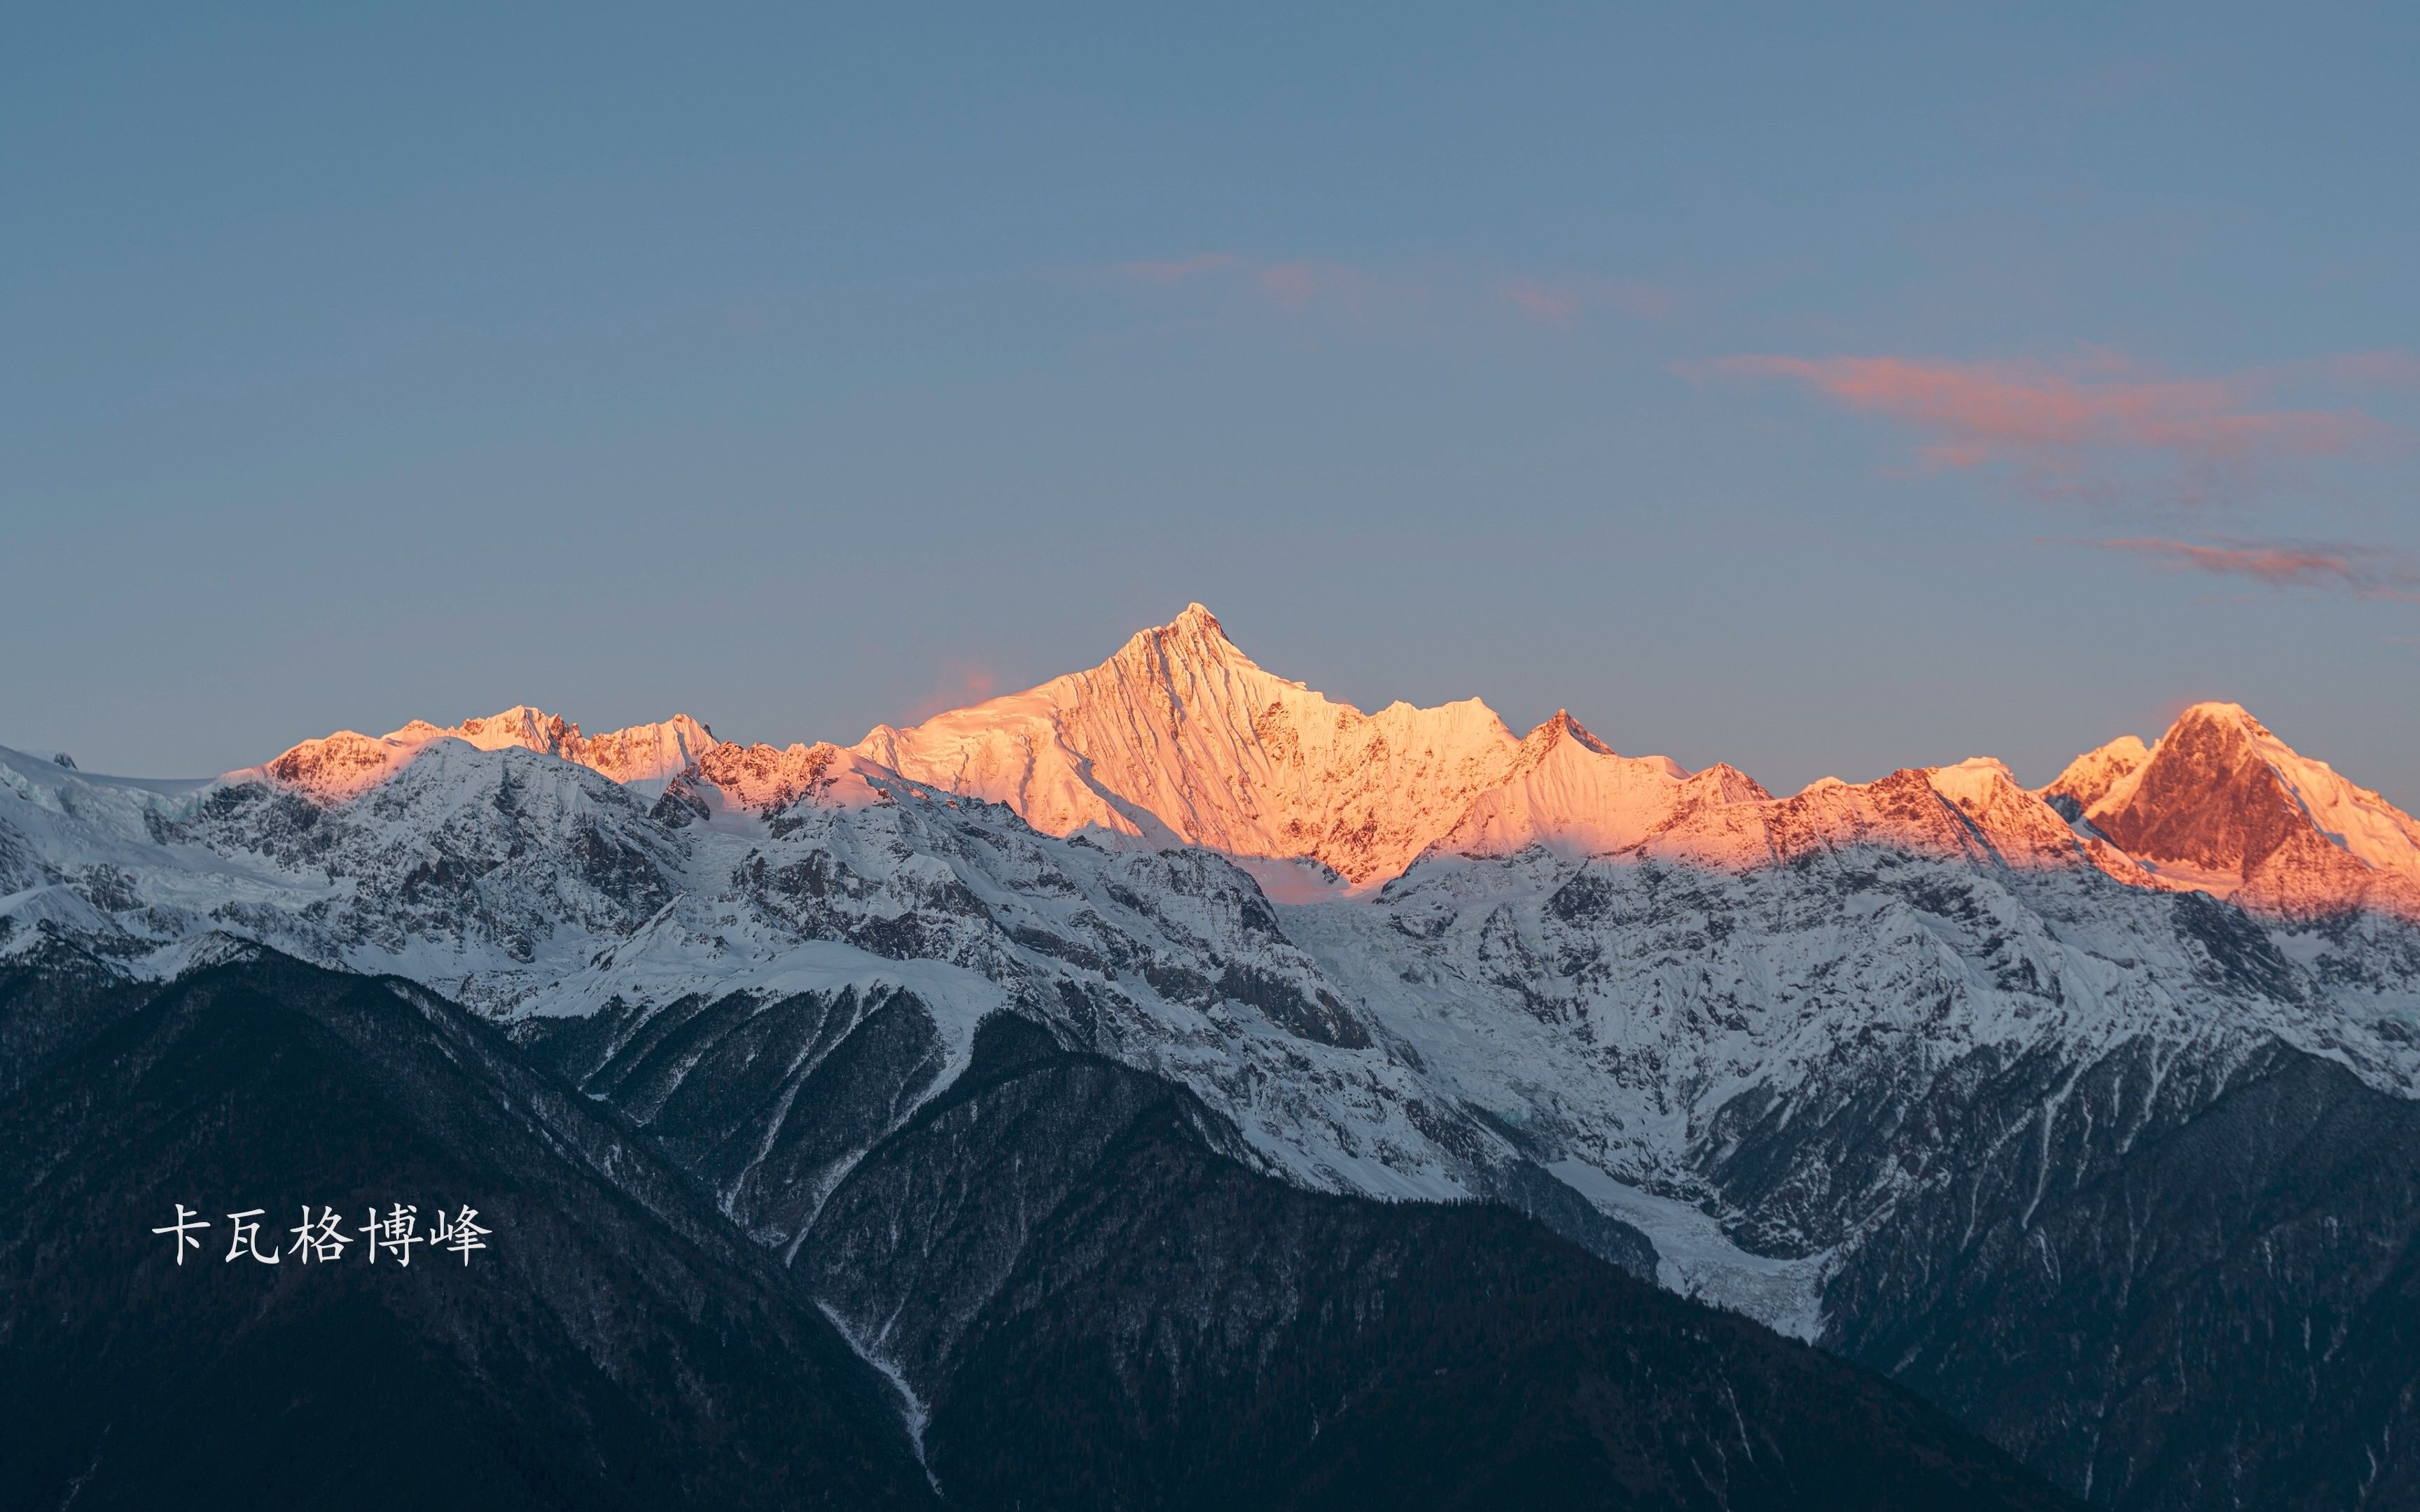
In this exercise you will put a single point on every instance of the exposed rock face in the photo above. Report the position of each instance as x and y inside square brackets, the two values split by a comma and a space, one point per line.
[2223, 805]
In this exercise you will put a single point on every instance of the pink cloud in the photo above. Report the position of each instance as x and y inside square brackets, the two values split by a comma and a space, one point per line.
[1177, 269]
[2071, 426]
[1562, 303]
[1432, 296]
[1984, 411]
[960, 684]
[2364, 571]
[1293, 286]
[2377, 369]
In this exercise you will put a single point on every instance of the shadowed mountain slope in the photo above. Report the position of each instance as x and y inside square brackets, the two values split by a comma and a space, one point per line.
[1076, 1265]
[615, 1346]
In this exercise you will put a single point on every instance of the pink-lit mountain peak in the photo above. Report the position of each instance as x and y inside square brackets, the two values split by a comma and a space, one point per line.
[1180, 738]
[1569, 791]
[1541, 742]
[2222, 804]
[342, 765]
[2089, 778]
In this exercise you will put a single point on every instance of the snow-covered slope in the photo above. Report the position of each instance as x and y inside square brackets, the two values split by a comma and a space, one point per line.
[1569, 791]
[1555, 954]
[2089, 778]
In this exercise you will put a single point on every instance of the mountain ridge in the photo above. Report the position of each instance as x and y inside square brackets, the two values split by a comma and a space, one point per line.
[1832, 1060]
[1179, 738]
[336, 767]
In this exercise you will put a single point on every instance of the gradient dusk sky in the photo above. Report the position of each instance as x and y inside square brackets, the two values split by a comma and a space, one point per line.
[1819, 388]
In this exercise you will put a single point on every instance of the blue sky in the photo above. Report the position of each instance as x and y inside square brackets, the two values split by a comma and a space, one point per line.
[1762, 386]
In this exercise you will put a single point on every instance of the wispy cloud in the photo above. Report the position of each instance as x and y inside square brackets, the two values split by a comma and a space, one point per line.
[1563, 302]
[1296, 285]
[1292, 286]
[959, 685]
[1178, 269]
[2361, 571]
[1432, 295]
[2079, 427]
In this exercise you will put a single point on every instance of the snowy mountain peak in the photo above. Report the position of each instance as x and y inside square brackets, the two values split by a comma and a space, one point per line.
[2223, 805]
[2089, 778]
[768, 779]
[531, 728]
[1571, 793]
[1196, 629]
[336, 767]
[1562, 726]
[642, 752]
[1180, 738]
[339, 768]
[1185, 651]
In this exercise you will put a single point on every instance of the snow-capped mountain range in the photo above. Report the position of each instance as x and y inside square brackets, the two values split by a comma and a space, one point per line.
[345, 765]
[1834, 1056]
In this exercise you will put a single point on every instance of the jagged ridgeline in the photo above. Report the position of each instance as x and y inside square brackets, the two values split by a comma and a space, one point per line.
[1170, 1086]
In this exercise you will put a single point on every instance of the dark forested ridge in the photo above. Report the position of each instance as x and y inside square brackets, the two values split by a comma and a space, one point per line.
[615, 1346]
[2212, 1307]
[1094, 1296]
[1164, 1327]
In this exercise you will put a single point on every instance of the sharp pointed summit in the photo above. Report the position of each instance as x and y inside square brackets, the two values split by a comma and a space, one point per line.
[2222, 805]
[1180, 738]
[1560, 728]
[1572, 793]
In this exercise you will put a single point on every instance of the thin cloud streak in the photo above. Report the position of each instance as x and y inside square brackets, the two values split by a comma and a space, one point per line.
[1293, 287]
[2078, 429]
[1296, 285]
[1984, 411]
[1562, 303]
[2361, 571]
[1178, 269]
[1351, 291]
